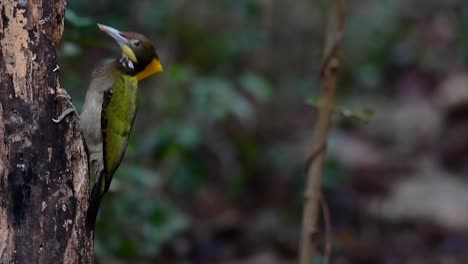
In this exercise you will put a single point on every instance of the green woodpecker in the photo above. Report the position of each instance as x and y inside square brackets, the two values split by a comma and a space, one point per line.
[110, 107]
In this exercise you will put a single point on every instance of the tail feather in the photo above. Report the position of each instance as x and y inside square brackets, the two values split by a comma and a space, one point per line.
[95, 200]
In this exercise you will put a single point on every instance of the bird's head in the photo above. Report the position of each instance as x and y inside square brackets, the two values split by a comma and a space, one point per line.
[139, 57]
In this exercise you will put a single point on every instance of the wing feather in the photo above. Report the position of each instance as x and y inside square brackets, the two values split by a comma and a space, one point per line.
[118, 115]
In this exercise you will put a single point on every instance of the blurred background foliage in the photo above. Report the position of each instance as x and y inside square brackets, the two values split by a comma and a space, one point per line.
[215, 167]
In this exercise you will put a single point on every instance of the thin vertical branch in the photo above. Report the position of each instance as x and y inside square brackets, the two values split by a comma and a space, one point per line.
[327, 252]
[328, 77]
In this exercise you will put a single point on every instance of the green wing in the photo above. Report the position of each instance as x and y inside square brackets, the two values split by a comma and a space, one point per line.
[117, 116]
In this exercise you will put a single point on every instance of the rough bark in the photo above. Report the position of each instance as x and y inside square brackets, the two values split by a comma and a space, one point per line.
[43, 169]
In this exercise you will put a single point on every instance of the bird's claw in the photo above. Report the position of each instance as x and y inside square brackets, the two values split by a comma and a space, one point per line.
[63, 115]
[71, 109]
[63, 95]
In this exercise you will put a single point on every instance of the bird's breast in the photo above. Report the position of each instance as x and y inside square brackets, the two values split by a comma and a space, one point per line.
[90, 119]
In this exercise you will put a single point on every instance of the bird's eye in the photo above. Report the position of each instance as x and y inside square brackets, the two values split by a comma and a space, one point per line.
[136, 43]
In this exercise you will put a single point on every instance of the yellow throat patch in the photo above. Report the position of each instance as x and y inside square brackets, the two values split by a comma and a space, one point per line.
[153, 67]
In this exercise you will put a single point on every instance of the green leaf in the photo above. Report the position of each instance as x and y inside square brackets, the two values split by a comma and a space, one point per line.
[363, 115]
[368, 112]
[256, 85]
[188, 136]
[313, 100]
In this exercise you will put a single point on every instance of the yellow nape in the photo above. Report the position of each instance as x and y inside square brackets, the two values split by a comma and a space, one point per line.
[152, 68]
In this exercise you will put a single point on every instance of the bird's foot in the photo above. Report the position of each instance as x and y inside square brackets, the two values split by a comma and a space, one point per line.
[63, 94]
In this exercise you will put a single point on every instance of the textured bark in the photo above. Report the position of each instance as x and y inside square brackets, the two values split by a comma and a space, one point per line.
[43, 169]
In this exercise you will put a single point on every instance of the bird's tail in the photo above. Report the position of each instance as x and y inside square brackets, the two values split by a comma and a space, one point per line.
[95, 200]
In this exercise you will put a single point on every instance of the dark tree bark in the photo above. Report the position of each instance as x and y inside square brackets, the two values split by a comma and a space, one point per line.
[43, 169]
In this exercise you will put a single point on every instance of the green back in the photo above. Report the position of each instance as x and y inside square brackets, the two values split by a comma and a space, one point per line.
[118, 114]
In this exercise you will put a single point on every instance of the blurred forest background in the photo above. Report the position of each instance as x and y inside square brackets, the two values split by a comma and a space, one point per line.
[215, 168]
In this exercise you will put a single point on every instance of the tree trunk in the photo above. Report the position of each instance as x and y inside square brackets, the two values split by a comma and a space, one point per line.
[43, 166]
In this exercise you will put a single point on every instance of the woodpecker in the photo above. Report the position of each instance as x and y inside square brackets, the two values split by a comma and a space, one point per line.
[110, 107]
